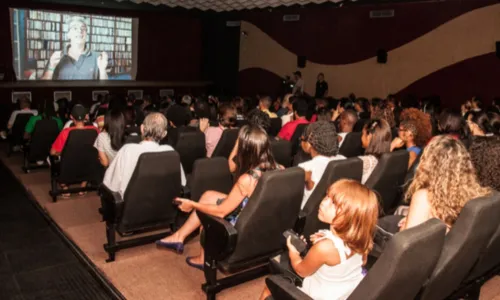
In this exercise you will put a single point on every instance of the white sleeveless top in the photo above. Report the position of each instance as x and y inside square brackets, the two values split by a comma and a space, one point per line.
[335, 282]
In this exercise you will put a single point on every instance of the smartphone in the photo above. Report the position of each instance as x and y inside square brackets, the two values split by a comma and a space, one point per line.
[299, 244]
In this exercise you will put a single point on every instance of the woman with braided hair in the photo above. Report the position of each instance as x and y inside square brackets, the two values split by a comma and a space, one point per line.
[321, 141]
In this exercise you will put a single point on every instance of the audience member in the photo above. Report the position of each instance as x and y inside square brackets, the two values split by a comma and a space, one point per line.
[48, 112]
[119, 172]
[324, 114]
[287, 113]
[285, 107]
[131, 128]
[494, 122]
[332, 268]
[384, 111]
[112, 138]
[362, 107]
[348, 120]
[299, 113]
[298, 87]
[258, 118]
[241, 108]
[24, 105]
[478, 124]
[265, 104]
[376, 140]
[227, 120]
[320, 140]
[177, 117]
[253, 158]
[79, 115]
[451, 123]
[321, 87]
[485, 155]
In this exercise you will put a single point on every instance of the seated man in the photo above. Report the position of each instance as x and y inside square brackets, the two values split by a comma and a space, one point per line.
[299, 113]
[320, 140]
[265, 104]
[78, 116]
[119, 172]
[348, 119]
[24, 104]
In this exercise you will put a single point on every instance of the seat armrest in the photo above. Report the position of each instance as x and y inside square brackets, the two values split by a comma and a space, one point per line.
[185, 192]
[219, 236]
[282, 288]
[300, 223]
[112, 204]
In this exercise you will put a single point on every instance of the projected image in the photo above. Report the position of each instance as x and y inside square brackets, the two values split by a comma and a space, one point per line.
[64, 46]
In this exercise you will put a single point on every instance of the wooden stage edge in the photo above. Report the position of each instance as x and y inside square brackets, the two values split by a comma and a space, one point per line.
[99, 84]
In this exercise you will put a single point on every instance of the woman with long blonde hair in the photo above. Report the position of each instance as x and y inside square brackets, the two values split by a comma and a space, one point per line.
[444, 181]
[333, 266]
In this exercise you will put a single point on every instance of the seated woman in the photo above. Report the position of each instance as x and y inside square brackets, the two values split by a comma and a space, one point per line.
[444, 163]
[253, 158]
[408, 134]
[478, 124]
[320, 140]
[485, 155]
[332, 267]
[376, 140]
[227, 120]
[450, 122]
[47, 111]
[112, 138]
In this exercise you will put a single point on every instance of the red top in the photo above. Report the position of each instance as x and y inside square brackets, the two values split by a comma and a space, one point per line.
[287, 131]
[60, 141]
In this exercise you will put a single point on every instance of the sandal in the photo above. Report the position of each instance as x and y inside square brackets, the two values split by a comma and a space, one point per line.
[191, 264]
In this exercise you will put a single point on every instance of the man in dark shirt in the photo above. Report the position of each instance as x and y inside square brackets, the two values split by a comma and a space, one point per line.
[321, 87]
[77, 61]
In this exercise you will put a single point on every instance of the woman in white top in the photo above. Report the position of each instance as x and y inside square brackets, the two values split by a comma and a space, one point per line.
[112, 138]
[376, 140]
[320, 140]
[333, 266]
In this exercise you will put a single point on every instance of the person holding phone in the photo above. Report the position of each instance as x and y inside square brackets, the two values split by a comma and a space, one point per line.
[253, 158]
[77, 61]
[332, 268]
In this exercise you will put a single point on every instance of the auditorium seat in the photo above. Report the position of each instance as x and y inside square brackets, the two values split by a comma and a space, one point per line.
[133, 139]
[358, 127]
[78, 162]
[38, 147]
[388, 177]
[408, 260]
[282, 152]
[351, 168]
[352, 147]
[16, 135]
[226, 143]
[209, 174]
[464, 243]
[275, 127]
[191, 146]
[296, 137]
[243, 251]
[147, 203]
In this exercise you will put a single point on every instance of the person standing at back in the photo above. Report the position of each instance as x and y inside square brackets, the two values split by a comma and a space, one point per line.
[298, 88]
[299, 113]
[321, 87]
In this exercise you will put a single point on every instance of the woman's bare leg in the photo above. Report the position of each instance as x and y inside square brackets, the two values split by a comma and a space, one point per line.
[193, 222]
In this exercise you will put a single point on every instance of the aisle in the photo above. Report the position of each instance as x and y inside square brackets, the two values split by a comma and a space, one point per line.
[34, 262]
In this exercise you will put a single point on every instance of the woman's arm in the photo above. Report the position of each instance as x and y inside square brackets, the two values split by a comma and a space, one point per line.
[232, 165]
[419, 211]
[413, 157]
[323, 252]
[103, 158]
[240, 190]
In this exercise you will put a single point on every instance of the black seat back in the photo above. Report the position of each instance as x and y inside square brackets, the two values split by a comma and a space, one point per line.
[191, 146]
[358, 127]
[462, 247]
[295, 140]
[226, 143]
[17, 131]
[405, 264]
[79, 158]
[275, 127]
[282, 152]
[388, 177]
[133, 139]
[490, 257]
[268, 214]
[155, 183]
[352, 147]
[210, 174]
[351, 168]
[42, 138]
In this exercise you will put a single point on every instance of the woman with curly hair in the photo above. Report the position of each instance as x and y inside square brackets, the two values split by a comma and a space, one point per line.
[445, 180]
[383, 111]
[485, 154]
[415, 131]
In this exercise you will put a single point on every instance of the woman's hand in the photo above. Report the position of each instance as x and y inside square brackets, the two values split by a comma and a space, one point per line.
[185, 205]
[309, 182]
[397, 143]
[402, 223]
[204, 123]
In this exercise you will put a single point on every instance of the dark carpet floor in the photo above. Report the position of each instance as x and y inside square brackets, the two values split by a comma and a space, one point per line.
[35, 263]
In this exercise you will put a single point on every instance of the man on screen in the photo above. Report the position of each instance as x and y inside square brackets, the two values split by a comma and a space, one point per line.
[77, 61]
